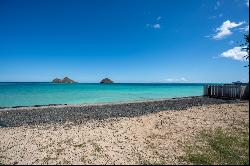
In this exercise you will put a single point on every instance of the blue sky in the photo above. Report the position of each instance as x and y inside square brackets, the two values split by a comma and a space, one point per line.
[126, 40]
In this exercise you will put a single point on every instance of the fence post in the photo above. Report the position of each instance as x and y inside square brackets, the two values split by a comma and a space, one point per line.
[205, 90]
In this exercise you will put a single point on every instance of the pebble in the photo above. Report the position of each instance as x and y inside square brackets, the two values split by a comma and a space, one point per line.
[83, 113]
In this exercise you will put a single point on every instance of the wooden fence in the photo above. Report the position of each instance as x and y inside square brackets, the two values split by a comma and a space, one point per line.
[227, 91]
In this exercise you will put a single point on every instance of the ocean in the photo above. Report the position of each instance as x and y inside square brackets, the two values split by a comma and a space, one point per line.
[29, 94]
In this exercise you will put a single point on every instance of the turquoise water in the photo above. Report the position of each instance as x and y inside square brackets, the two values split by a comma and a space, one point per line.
[28, 94]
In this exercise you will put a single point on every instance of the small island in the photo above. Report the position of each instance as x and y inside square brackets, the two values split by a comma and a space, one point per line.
[65, 80]
[106, 81]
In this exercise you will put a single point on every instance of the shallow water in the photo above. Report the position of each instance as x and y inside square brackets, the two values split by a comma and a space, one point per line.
[28, 94]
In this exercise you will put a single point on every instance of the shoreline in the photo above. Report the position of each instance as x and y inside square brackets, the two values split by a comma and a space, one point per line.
[78, 114]
[91, 104]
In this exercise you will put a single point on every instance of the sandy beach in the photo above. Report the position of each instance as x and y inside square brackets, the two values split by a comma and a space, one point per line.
[156, 137]
[123, 82]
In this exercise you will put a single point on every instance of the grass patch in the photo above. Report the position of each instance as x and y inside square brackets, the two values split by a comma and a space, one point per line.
[220, 147]
[146, 162]
[80, 145]
[97, 148]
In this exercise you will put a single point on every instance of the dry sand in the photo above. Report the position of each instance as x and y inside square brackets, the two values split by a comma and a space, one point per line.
[153, 138]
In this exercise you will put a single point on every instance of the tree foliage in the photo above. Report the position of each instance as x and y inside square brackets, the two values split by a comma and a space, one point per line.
[245, 47]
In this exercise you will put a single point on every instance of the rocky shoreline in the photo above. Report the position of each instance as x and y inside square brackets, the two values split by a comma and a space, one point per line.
[12, 117]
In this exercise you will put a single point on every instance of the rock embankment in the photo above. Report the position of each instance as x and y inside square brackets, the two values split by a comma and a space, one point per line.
[83, 113]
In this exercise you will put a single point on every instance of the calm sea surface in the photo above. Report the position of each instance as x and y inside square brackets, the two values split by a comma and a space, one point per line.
[28, 94]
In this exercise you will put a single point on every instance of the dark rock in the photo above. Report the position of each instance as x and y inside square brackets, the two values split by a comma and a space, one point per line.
[106, 81]
[53, 104]
[65, 80]
[2, 124]
[83, 113]
[39, 105]
[18, 106]
[57, 80]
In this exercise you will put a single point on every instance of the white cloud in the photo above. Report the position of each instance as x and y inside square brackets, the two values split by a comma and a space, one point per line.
[154, 26]
[182, 79]
[235, 53]
[169, 79]
[247, 28]
[157, 26]
[247, 3]
[224, 29]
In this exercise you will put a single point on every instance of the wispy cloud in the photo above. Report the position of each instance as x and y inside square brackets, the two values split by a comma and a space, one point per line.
[207, 36]
[235, 53]
[225, 29]
[217, 5]
[246, 28]
[214, 16]
[158, 18]
[182, 79]
[156, 25]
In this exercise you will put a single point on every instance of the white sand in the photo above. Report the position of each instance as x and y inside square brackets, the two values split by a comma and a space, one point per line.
[155, 137]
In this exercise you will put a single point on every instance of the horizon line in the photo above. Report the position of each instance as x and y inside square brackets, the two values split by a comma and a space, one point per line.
[121, 82]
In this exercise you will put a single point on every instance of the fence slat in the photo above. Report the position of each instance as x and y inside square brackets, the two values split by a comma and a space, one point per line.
[227, 91]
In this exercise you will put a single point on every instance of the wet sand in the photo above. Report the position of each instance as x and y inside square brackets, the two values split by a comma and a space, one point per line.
[152, 137]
